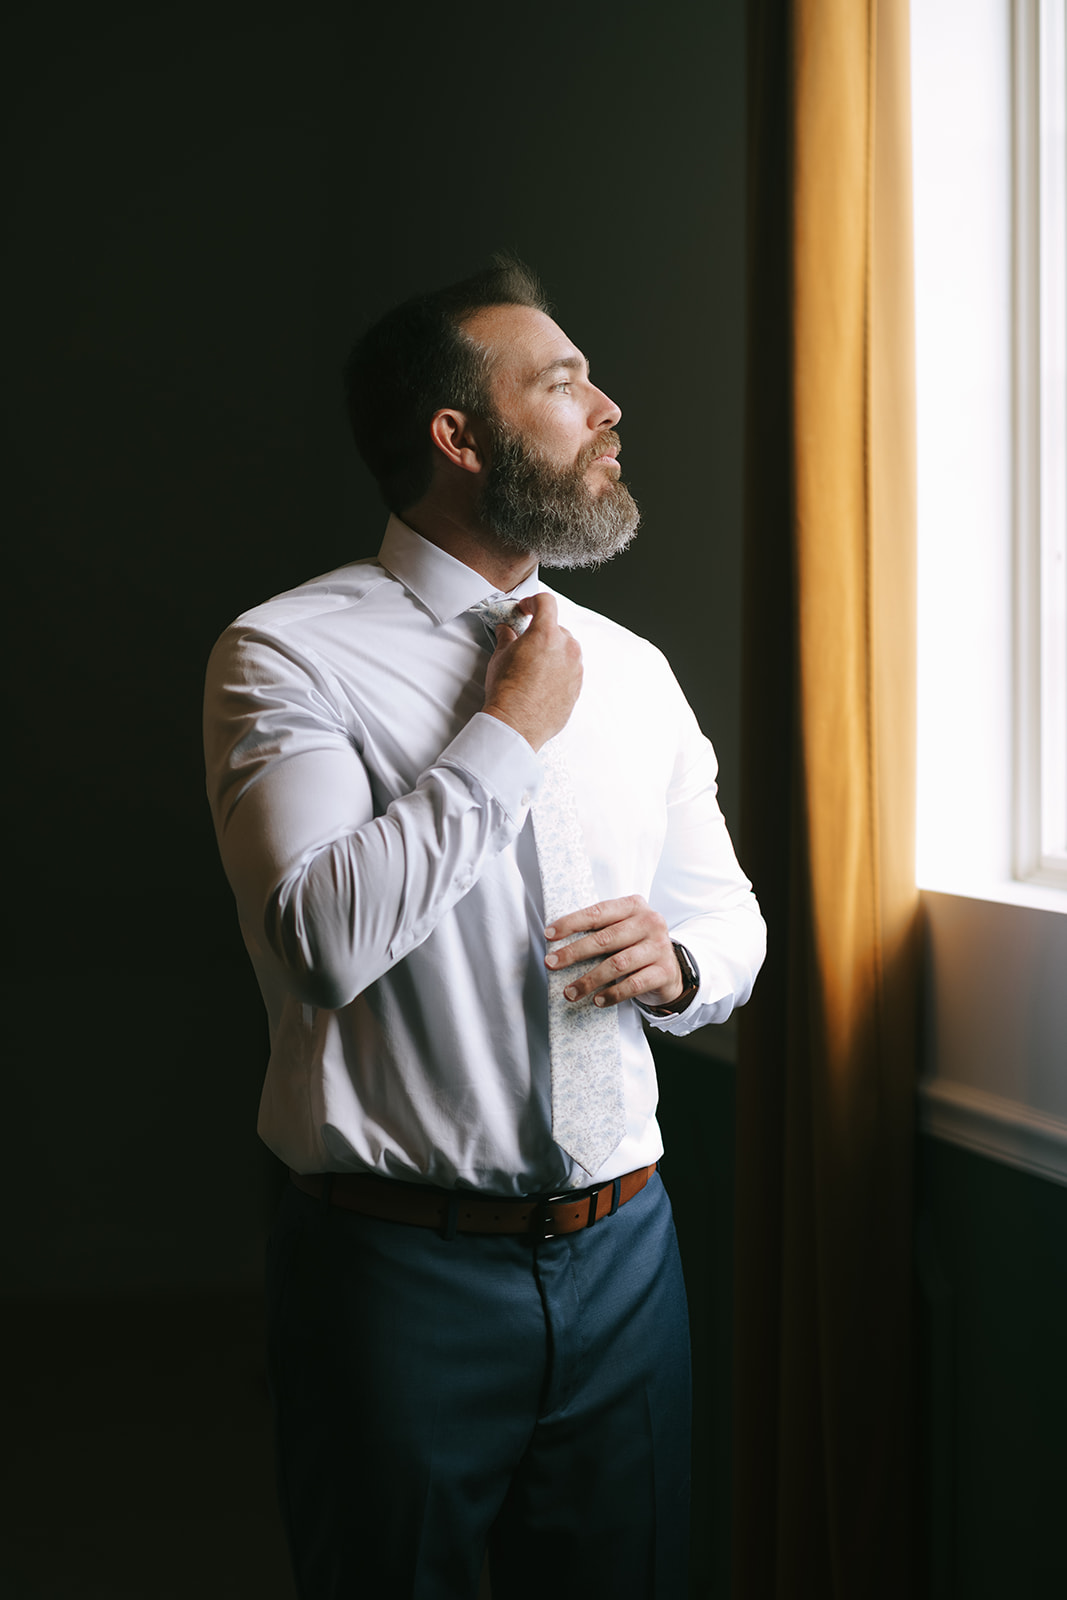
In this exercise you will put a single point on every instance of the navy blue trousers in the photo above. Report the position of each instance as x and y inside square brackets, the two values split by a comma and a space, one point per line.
[434, 1398]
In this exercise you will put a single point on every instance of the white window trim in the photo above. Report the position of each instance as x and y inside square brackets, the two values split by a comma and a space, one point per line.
[1040, 440]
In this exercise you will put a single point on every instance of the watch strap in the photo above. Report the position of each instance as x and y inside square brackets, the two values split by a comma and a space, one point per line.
[691, 980]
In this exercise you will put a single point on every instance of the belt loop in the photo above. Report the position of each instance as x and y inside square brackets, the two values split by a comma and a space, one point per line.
[448, 1232]
[327, 1188]
[616, 1196]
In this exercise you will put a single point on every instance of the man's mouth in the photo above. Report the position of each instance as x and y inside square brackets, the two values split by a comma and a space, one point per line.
[605, 450]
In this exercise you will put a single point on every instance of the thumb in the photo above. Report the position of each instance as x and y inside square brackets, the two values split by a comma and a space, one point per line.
[542, 609]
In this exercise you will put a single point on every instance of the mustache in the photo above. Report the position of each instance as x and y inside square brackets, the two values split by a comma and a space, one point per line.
[609, 440]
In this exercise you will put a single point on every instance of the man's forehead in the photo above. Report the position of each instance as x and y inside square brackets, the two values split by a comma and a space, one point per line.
[523, 343]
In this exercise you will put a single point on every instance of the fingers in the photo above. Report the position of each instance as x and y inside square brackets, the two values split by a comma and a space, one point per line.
[641, 969]
[631, 946]
[542, 611]
[621, 936]
[541, 608]
[605, 914]
[532, 682]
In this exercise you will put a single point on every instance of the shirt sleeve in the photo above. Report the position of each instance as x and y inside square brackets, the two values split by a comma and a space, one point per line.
[700, 889]
[329, 890]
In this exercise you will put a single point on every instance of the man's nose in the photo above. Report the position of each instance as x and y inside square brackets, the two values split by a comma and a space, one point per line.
[605, 413]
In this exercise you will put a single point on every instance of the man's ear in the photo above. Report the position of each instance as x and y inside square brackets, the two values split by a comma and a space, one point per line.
[453, 434]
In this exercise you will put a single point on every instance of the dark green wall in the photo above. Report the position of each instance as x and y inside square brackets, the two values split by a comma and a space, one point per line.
[993, 1296]
[208, 201]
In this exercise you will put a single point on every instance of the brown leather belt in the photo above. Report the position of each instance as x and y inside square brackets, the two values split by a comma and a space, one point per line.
[454, 1211]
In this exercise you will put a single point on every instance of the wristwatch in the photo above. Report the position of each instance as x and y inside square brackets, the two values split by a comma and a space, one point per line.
[691, 979]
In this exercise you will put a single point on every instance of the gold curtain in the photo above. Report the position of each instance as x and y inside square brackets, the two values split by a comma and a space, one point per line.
[823, 1332]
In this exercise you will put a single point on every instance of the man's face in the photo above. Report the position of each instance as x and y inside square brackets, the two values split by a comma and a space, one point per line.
[553, 486]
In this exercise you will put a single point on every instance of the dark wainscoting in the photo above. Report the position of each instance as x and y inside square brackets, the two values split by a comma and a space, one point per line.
[992, 1260]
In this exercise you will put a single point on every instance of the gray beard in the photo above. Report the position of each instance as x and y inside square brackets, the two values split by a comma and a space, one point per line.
[542, 511]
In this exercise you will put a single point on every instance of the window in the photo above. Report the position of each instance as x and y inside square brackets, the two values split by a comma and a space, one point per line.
[991, 323]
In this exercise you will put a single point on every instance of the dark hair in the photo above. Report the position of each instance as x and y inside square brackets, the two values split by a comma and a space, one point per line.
[417, 359]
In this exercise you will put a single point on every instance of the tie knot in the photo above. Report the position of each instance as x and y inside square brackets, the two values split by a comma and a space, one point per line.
[494, 612]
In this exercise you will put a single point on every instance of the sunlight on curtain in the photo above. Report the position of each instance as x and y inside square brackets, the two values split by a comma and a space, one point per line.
[826, 1072]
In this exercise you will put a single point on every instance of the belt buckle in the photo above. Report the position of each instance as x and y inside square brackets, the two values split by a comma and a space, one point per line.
[541, 1222]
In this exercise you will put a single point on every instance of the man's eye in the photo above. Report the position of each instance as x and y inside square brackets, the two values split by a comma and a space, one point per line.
[565, 386]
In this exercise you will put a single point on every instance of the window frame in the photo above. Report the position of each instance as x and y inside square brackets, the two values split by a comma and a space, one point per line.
[1039, 202]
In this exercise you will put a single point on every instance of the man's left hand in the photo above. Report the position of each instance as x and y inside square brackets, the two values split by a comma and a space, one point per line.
[632, 948]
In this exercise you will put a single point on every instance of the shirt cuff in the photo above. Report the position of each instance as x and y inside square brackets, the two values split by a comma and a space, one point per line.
[500, 760]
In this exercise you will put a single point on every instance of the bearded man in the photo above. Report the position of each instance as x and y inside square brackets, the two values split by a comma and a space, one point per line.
[472, 832]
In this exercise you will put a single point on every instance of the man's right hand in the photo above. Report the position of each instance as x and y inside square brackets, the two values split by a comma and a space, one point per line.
[533, 678]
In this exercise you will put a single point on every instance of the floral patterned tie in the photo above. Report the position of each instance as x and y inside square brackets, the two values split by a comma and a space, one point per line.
[588, 1117]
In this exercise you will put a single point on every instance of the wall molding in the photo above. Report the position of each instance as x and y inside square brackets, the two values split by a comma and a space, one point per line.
[1005, 1130]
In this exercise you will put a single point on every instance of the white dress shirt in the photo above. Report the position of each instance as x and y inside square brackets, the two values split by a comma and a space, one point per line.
[374, 825]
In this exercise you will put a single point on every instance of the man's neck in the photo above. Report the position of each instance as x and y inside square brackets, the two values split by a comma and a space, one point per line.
[476, 547]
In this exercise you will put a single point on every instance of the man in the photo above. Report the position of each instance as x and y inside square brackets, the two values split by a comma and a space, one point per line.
[473, 837]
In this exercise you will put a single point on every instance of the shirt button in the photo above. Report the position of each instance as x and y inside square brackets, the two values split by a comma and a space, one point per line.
[526, 797]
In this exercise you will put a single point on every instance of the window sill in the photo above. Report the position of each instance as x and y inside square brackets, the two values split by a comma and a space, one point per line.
[995, 1021]
[1005, 892]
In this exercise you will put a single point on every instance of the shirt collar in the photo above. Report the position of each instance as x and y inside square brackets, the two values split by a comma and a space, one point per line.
[445, 586]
